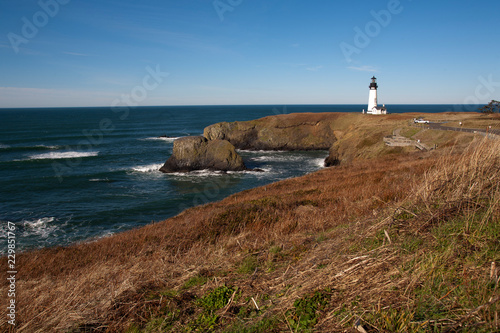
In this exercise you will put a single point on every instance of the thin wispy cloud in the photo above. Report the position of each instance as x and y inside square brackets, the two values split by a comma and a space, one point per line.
[363, 68]
[314, 69]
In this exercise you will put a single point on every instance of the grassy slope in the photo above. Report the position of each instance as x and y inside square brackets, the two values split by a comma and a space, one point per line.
[361, 136]
[396, 243]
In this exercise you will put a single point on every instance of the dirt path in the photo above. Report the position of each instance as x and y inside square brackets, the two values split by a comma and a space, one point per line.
[397, 140]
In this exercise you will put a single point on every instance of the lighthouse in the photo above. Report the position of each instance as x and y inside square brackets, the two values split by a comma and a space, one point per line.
[373, 107]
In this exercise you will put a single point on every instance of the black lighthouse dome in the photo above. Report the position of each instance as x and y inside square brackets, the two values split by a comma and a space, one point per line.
[373, 85]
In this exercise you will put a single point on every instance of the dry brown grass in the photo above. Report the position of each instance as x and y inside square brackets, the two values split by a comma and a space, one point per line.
[477, 121]
[344, 231]
[439, 262]
[61, 287]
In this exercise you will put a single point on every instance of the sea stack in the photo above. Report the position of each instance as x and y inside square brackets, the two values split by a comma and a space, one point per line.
[197, 153]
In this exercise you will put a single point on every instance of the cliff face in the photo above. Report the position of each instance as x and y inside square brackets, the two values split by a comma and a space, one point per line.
[333, 157]
[346, 136]
[305, 131]
[198, 153]
[216, 149]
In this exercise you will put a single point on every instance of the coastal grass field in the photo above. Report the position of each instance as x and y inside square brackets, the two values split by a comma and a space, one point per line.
[391, 240]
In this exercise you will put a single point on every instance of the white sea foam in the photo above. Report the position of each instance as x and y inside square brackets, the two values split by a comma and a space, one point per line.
[42, 227]
[148, 168]
[211, 173]
[260, 152]
[3, 235]
[2, 146]
[3, 230]
[63, 155]
[319, 162]
[167, 139]
[100, 180]
[38, 223]
[259, 172]
[199, 173]
[278, 158]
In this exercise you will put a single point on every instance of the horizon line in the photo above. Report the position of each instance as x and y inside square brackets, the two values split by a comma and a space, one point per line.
[215, 105]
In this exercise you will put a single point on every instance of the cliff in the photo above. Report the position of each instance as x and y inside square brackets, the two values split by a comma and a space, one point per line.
[347, 136]
[304, 131]
[216, 149]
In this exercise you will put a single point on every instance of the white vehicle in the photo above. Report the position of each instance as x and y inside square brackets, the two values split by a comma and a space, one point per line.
[420, 121]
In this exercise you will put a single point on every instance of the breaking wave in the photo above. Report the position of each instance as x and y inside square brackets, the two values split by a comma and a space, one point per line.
[62, 155]
[148, 168]
[40, 227]
[161, 138]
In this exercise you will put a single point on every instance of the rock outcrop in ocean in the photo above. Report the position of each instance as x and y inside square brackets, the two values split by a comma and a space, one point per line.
[198, 153]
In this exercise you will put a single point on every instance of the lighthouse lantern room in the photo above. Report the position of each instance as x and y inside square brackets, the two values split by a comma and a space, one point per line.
[373, 107]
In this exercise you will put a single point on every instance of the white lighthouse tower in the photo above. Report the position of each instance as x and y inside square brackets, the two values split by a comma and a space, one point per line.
[373, 107]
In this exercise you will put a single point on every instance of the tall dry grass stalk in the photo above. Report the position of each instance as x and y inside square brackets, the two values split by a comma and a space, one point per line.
[464, 183]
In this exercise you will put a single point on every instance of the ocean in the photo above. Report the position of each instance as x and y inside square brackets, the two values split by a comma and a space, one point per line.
[78, 174]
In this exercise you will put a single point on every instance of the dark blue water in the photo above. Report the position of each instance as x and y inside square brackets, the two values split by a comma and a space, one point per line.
[74, 174]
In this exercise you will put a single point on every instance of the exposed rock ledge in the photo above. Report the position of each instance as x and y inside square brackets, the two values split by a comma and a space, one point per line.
[333, 157]
[198, 153]
[216, 150]
[303, 131]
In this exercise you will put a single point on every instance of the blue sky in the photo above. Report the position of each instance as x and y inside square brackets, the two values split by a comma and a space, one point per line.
[98, 52]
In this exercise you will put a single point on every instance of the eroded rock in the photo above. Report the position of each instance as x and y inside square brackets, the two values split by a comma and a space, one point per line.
[282, 132]
[198, 153]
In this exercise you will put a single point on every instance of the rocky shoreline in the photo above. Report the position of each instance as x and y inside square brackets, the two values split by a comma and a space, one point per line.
[347, 136]
[304, 131]
[216, 149]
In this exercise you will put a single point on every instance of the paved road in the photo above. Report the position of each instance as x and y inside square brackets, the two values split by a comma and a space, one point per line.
[397, 140]
[439, 126]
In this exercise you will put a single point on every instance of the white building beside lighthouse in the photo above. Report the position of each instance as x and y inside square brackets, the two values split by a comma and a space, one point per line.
[373, 107]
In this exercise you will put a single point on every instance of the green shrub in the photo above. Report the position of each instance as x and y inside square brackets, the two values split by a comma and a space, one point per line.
[215, 300]
[304, 315]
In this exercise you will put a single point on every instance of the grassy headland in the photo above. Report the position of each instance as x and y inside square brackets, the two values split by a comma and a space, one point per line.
[391, 241]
